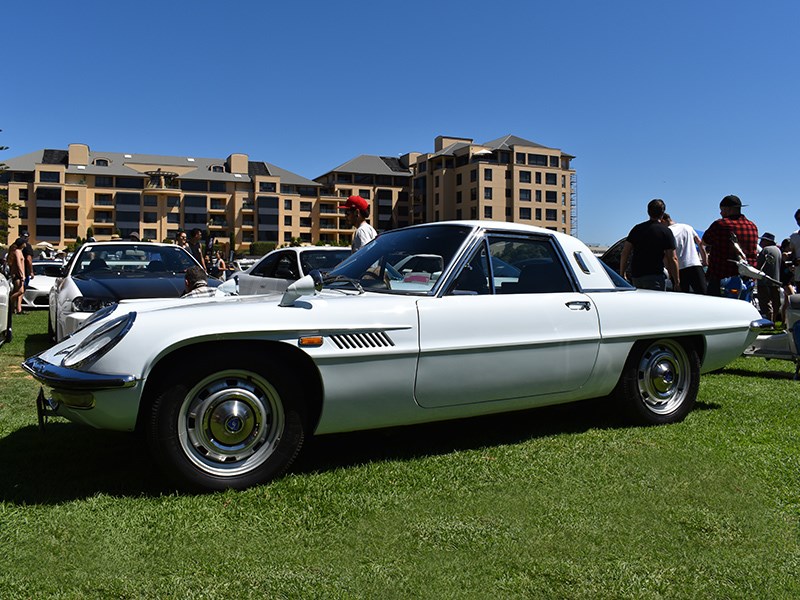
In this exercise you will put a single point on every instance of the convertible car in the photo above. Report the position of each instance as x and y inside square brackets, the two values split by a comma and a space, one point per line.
[430, 322]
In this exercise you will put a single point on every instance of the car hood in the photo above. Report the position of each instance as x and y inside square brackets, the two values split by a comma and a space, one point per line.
[119, 288]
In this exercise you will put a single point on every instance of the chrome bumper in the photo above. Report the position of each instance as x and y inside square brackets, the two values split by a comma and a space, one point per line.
[761, 325]
[69, 379]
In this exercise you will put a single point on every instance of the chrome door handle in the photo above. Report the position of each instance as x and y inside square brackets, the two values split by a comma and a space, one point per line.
[579, 305]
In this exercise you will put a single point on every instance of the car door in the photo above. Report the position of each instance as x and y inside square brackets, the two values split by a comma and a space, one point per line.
[491, 336]
[5, 308]
[273, 274]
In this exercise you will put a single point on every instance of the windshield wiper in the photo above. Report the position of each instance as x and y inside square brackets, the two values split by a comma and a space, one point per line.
[334, 278]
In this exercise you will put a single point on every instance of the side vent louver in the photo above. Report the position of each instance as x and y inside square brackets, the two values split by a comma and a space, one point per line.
[354, 341]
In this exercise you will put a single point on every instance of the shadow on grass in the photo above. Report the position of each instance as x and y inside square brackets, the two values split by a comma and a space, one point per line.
[71, 461]
[758, 374]
[36, 343]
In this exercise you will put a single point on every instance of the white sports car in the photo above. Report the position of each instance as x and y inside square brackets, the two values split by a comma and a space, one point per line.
[511, 317]
[277, 270]
[37, 294]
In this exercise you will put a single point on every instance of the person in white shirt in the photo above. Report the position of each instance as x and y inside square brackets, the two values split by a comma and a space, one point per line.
[356, 213]
[691, 256]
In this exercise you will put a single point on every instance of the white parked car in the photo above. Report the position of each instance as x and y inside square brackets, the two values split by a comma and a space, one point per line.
[278, 269]
[226, 389]
[103, 273]
[5, 310]
[37, 294]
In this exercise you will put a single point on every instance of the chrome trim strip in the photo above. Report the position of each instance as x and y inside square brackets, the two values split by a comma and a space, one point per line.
[64, 378]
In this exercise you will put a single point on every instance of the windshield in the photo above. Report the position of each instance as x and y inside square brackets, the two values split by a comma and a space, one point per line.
[402, 261]
[131, 260]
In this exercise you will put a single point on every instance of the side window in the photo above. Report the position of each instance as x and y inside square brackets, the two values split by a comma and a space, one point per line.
[266, 268]
[527, 266]
[286, 267]
[474, 276]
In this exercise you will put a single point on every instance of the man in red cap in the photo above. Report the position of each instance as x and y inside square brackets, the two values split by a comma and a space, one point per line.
[356, 213]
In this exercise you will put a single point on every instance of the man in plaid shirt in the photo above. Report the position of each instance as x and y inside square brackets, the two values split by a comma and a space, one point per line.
[718, 238]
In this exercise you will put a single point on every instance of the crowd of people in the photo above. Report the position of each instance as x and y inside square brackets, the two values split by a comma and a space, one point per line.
[661, 247]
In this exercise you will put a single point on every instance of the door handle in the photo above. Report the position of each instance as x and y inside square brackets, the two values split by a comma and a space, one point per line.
[579, 305]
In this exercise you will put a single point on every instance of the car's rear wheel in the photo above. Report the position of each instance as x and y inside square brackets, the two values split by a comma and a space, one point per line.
[225, 423]
[660, 381]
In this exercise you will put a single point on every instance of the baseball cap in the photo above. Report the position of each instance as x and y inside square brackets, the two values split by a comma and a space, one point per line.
[355, 202]
[731, 201]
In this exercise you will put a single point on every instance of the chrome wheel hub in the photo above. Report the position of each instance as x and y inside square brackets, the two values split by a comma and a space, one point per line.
[230, 422]
[663, 376]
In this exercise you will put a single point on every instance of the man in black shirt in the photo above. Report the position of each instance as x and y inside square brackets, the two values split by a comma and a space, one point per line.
[653, 247]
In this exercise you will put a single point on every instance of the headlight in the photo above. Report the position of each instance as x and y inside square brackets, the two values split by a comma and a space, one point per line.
[100, 314]
[81, 304]
[101, 341]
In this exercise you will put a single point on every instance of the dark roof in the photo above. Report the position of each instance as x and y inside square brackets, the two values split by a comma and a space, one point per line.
[55, 157]
[394, 164]
[508, 141]
[257, 168]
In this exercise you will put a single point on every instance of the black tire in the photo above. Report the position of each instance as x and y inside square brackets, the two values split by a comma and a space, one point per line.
[51, 332]
[659, 382]
[225, 423]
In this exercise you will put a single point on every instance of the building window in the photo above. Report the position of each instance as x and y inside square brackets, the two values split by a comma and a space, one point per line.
[519, 158]
[50, 177]
[487, 193]
[487, 212]
[473, 194]
[287, 221]
[305, 221]
[217, 169]
[563, 199]
[150, 217]
[550, 197]
[436, 181]
[525, 195]
[287, 205]
[540, 160]
[473, 175]
[458, 197]
[436, 198]
[267, 186]
[365, 194]
[130, 183]
[104, 181]
[306, 206]
[150, 200]
[101, 162]
[538, 214]
[525, 214]
[487, 174]
[538, 195]
[150, 234]
[554, 161]
[551, 179]
[173, 218]
[538, 177]
[458, 178]
[551, 214]
[458, 213]
[48, 193]
[563, 181]
[524, 176]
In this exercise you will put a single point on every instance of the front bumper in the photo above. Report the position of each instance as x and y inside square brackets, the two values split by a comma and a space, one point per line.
[96, 399]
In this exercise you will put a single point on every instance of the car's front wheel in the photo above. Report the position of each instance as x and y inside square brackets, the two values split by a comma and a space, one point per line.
[225, 423]
[660, 381]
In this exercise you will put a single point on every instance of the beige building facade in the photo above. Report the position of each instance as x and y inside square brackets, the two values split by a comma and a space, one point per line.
[68, 194]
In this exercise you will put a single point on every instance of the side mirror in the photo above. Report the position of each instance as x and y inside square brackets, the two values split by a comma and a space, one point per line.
[305, 286]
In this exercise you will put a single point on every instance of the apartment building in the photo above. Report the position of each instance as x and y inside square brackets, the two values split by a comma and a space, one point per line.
[62, 193]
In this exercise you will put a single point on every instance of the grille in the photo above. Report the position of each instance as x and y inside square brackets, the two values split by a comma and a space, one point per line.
[354, 341]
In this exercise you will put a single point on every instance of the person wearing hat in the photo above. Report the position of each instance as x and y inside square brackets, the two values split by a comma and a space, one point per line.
[356, 213]
[769, 295]
[718, 238]
[134, 236]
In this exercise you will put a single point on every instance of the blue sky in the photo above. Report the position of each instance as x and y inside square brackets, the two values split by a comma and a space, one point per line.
[686, 101]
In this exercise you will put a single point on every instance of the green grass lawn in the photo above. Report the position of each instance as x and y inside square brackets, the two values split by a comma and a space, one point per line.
[563, 502]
